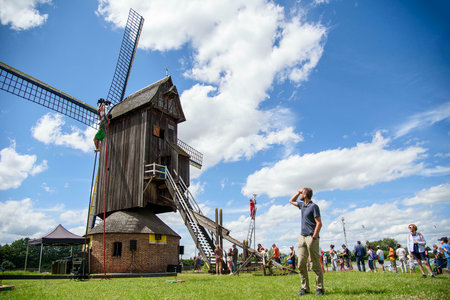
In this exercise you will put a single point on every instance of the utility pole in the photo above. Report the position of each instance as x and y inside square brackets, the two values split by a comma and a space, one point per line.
[364, 235]
[345, 234]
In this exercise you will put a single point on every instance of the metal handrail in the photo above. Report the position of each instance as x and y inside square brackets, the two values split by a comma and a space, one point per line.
[189, 196]
[196, 157]
[161, 170]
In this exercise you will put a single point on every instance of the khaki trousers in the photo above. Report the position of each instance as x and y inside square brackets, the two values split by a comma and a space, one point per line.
[307, 247]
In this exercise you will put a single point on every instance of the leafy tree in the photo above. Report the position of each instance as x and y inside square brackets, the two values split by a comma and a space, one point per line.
[384, 243]
[7, 265]
[187, 262]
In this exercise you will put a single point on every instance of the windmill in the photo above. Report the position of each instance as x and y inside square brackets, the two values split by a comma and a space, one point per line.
[143, 131]
[143, 168]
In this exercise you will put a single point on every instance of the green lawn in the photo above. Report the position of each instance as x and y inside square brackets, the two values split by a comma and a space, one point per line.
[338, 285]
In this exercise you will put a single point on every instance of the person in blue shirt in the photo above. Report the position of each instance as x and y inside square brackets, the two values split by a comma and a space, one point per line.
[360, 254]
[446, 247]
[308, 243]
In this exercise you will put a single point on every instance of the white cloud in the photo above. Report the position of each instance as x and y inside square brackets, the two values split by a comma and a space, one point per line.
[74, 217]
[444, 155]
[323, 204]
[173, 219]
[236, 210]
[436, 171]
[15, 168]
[22, 14]
[424, 119]
[433, 195]
[347, 168]
[46, 188]
[197, 188]
[19, 219]
[49, 130]
[79, 230]
[239, 48]
[317, 2]
[56, 208]
[384, 220]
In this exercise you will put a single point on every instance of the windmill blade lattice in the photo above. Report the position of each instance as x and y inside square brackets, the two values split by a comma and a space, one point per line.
[126, 55]
[27, 87]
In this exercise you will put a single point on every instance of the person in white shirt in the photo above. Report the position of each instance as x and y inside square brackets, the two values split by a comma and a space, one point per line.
[334, 258]
[416, 247]
[370, 256]
[380, 255]
[401, 254]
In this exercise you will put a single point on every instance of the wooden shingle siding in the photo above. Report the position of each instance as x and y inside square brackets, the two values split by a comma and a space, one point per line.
[132, 143]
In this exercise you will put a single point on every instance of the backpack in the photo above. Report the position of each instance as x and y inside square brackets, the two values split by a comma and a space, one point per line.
[373, 256]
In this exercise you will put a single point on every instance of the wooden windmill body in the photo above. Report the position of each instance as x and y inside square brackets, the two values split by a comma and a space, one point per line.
[142, 131]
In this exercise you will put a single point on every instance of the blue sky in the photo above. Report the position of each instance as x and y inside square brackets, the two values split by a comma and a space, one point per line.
[350, 98]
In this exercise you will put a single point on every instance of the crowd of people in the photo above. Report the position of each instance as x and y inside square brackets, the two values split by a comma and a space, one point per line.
[311, 257]
[400, 259]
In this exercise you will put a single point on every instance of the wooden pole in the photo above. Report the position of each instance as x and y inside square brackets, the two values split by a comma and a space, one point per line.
[244, 249]
[220, 229]
[104, 199]
[217, 226]
[217, 241]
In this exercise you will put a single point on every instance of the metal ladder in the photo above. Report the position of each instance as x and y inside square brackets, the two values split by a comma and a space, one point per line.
[251, 231]
[185, 203]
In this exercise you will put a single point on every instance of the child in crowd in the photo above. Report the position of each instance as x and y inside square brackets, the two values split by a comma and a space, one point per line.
[341, 262]
[291, 265]
[439, 261]
[325, 261]
[230, 261]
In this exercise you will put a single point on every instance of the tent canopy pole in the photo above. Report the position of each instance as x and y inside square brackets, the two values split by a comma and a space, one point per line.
[26, 259]
[40, 258]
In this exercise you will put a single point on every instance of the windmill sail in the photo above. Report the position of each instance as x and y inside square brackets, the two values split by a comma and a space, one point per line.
[27, 87]
[126, 55]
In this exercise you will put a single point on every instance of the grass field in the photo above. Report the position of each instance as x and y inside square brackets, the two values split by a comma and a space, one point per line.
[338, 285]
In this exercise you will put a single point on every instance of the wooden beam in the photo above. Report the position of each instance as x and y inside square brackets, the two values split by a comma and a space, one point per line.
[148, 184]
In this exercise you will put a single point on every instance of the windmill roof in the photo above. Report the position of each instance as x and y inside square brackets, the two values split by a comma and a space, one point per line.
[146, 96]
[142, 221]
[58, 236]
